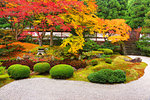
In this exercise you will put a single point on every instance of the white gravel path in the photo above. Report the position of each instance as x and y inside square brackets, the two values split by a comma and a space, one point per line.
[49, 89]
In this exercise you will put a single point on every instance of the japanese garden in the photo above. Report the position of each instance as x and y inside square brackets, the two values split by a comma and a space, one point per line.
[100, 44]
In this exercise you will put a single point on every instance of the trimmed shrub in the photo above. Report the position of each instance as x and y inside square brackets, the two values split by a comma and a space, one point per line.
[107, 76]
[41, 67]
[2, 70]
[18, 71]
[106, 51]
[93, 62]
[61, 71]
[108, 60]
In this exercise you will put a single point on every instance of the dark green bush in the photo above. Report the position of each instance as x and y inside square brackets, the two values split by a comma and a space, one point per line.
[93, 62]
[41, 67]
[18, 71]
[109, 45]
[107, 76]
[61, 71]
[108, 60]
[118, 76]
[90, 45]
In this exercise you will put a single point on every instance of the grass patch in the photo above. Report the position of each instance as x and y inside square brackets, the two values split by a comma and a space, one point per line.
[81, 75]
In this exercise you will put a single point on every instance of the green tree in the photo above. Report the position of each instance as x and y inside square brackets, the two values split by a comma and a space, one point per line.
[136, 12]
[112, 9]
[146, 27]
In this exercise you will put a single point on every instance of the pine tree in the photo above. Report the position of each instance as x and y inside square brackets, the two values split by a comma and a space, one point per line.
[136, 12]
[146, 28]
[112, 9]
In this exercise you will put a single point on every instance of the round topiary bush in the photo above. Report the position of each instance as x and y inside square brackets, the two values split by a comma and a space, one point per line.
[107, 76]
[93, 62]
[41, 67]
[61, 71]
[108, 60]
[18, 71]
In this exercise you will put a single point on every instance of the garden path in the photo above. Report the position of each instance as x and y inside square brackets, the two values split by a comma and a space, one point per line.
[50, 89]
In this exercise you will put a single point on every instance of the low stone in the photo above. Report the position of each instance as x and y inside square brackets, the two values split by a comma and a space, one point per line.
[26, 56]
[18, 58]
[136, 60]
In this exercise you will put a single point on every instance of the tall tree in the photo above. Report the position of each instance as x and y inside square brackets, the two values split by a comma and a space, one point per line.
[86, 20]
[112, 9]
[146, 27]
[136, 12]
[16, 13]
[46, 16]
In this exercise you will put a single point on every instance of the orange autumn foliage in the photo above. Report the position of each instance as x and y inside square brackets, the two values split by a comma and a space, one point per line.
[27, 46]
[117, 30]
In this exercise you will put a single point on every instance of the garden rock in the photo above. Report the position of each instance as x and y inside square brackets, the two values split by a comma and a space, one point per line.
[19, 58]
[26, 56]
[136, 60]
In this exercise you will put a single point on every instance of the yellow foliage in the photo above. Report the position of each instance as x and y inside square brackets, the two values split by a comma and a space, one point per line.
[75, 42]
[82, 18]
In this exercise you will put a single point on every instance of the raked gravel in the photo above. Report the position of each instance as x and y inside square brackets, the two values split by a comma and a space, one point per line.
[50, 89]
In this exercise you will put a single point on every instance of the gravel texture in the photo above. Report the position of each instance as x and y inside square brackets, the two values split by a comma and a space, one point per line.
[50, 89]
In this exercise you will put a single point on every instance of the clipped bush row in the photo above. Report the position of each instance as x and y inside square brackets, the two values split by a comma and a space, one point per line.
[75, 63]
[61, 71]
[108, 76]
[26, 62]
[64, 71]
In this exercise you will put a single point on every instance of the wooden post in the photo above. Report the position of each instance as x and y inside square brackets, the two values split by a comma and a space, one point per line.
[96, 36]
[61, 35]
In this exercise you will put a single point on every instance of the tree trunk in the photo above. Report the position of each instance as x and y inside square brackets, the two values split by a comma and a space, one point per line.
[16, 37]
[40, 42]
[122, 45]
[51, 38]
